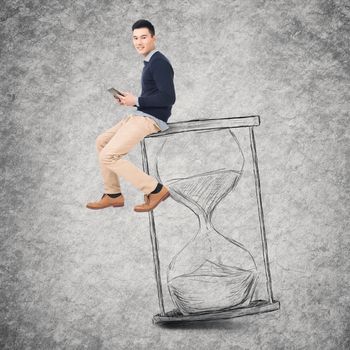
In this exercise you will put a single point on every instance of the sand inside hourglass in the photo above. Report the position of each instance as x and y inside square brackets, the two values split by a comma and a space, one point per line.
[205, 190]
[212, 285]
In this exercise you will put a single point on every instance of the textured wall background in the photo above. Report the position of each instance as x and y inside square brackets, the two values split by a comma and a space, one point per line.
[77, 279]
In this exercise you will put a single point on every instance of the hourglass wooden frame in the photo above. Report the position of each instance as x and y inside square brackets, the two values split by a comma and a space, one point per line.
[255, 307]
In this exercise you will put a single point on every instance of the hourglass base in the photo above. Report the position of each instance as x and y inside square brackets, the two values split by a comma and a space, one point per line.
[255, 307]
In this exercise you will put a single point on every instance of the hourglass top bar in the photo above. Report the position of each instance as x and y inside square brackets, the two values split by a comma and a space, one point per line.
[208, 124]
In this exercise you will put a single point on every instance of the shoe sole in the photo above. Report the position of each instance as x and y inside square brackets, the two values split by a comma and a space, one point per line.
[112, 205]
[167, 195]
[118, 205]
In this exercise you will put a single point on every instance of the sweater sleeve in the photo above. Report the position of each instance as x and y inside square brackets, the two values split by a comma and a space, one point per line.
[163, 76]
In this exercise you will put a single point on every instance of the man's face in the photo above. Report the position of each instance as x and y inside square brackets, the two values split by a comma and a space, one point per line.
[143, 41]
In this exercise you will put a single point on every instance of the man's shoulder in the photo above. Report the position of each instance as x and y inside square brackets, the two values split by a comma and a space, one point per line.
[159, 57]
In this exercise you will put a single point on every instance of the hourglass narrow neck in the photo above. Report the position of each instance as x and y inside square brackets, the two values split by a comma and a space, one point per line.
[204, 221]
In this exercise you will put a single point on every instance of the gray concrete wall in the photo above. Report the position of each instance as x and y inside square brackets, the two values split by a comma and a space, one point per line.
[76, 279]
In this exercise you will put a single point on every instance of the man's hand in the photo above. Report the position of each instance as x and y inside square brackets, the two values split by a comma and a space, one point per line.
[128, 100]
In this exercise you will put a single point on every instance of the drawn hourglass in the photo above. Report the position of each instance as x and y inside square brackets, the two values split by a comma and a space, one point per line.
[214, 275]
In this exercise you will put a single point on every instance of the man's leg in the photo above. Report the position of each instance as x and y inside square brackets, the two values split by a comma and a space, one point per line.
[112, 193]
[130, 133]
[110, 179]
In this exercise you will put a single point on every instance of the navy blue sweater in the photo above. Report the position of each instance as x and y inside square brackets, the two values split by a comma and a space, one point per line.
[158, 92]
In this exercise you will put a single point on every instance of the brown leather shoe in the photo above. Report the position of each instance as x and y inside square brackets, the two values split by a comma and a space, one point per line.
[107, 201]
[152, 200]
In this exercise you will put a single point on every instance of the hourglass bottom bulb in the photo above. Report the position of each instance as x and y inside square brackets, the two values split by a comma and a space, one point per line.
[212, 287]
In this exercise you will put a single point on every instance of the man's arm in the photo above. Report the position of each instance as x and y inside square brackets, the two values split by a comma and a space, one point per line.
[163, 76]
[127, 100]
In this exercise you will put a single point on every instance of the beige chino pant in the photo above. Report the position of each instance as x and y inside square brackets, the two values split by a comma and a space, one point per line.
[114, 144]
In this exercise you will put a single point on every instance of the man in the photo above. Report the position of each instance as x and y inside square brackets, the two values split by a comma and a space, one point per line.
[153, 111]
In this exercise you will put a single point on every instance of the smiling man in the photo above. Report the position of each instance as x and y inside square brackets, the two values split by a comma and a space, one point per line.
[153, 111]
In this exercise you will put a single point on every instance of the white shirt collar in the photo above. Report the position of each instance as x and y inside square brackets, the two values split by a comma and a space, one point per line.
[150, 54]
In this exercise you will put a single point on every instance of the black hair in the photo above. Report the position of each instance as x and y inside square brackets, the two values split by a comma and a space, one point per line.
[143, 23]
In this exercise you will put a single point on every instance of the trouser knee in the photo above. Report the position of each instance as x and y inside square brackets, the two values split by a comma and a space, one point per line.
[100, 142]
[108, 158]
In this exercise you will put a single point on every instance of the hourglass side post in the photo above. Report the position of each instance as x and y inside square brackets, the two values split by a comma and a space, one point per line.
[153, 237]
[261, 215]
